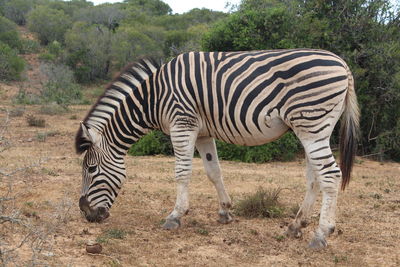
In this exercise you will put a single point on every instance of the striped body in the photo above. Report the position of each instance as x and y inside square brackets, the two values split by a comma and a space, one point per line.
[245, 98]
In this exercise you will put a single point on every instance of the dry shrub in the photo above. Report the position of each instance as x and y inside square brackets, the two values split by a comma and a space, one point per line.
[264, 203]
[35, 122]
[17, 111]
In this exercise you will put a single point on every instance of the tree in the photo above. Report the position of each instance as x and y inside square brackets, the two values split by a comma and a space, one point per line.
[129, 45]
[107, 15]
[150, 7]
[89, 51]
[16, 10]
[9, 34]
[364, 33]
[11, 65]
[49, 24]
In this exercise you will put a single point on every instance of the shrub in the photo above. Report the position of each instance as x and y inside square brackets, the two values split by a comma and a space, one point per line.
[29, 46]
[11, 65]
[17, 111]
[264, 203]
[49, 24]
[9, 34]
[47, 57]
[26, 98]
[285, 148]
[152, 144]
[35, 122]
[88, 49]
[16, 10]
[60, 87]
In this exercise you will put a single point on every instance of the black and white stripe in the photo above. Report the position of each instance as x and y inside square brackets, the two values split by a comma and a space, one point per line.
[245, 98]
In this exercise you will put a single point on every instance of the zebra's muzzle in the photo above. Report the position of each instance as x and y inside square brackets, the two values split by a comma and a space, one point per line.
[92, 214]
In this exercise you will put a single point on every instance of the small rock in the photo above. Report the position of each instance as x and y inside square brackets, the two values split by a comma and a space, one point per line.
[93, 247]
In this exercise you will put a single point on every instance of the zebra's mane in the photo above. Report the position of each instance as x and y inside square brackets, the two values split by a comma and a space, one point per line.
[146, 65]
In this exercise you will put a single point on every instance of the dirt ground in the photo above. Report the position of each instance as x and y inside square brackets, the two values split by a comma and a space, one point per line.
[47, 186]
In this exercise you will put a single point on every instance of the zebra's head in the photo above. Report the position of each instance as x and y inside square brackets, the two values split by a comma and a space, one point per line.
[103, 173]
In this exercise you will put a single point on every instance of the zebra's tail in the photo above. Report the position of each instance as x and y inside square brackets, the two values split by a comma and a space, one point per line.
[349, 131]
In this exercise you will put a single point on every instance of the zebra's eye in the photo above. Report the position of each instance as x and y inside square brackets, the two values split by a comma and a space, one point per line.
[92, 169]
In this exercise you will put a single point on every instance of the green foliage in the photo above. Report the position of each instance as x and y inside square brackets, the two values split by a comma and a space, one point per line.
[113, 233]
[47, 57]
[264, 203]
[11, 65]
[285, 148]
[89, 51]
[149, 7]
[29, 46]
[253, 29]
[153, 143]
[364, 33]
[129, 44]
[109, 16]
[9, 34]
[38, 22]
[68, 7]
[17, 10]
[60, 87]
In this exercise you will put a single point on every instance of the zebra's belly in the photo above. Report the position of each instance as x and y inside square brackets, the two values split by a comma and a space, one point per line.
[272, 129]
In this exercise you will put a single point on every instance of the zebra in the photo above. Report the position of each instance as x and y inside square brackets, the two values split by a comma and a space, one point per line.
[245, 98]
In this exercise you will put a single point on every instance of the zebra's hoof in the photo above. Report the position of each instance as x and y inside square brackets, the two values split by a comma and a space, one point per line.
[318, 243]
[225, 217]
[293, 231]
[171, 224]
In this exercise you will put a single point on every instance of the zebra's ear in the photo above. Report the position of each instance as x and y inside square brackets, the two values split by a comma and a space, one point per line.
[85, 138]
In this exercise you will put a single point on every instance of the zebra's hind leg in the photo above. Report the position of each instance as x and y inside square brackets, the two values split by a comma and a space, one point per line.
[183, 142]
[208, 153]
[329, 176]
[304, 213]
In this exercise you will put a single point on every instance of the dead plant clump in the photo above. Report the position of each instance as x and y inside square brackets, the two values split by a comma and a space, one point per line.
[263, 203]
[35, 121]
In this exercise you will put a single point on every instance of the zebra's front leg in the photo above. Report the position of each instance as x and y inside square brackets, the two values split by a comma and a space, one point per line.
[183, 143]
[304, 213]
[208, 153]
[329, 176]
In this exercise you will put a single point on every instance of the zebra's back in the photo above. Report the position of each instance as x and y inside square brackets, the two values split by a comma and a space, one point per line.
[251, 98]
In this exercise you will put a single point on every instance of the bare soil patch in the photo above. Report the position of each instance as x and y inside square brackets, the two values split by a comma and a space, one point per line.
[368, 217]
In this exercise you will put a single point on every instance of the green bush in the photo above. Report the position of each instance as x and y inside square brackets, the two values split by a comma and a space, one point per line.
[47, 57]
[49, 24]
[9, 34]
[153, 143]
[88, 51]
[285, 148]
[60, 87]
[29, 46]
[16, 10]
[11, 65]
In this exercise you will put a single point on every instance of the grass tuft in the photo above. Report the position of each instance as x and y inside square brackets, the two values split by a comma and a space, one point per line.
[113, 233]
[35, 122]
[264, 203]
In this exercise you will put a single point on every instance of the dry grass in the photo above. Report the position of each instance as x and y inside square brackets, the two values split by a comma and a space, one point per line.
[368, 216]
[34, 121]
[263, 204]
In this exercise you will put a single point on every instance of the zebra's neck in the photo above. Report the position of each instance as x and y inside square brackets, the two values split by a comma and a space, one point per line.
[121, 113]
